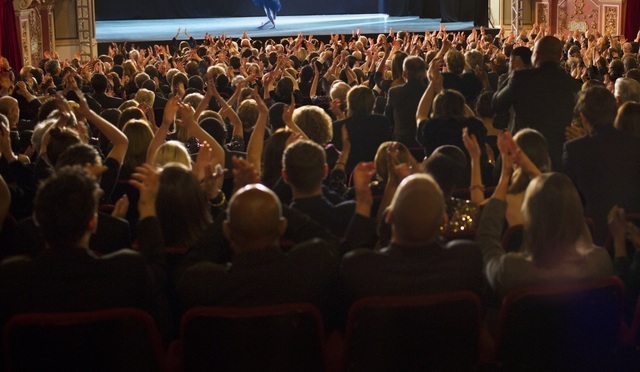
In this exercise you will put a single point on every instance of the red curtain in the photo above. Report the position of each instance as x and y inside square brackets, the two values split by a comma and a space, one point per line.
[632, 19]
[9, 41]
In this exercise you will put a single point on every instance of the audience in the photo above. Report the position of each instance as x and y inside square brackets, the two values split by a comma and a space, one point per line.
[271, 176]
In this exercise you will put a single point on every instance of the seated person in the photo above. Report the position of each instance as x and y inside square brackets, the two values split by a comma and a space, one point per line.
[557, 244]
[304, 168]
[67, 276]
[260, 272]
[416, 261]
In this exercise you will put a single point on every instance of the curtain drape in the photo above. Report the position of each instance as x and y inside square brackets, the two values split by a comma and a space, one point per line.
[632, 19]
[9, 41]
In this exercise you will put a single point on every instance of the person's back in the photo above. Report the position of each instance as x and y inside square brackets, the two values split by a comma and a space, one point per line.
[542, 97]
[304, 169]
[403, 101]
[417, 261]
[605, 164]
[67, 276]
[260, 273]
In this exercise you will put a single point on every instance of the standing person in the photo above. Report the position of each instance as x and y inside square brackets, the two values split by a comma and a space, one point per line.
[271, 9]
[542, 97]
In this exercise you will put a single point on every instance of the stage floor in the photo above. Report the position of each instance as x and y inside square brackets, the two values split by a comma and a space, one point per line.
[165, 29]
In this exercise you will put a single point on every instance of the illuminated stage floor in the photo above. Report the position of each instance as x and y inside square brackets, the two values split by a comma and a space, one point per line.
[165, 29]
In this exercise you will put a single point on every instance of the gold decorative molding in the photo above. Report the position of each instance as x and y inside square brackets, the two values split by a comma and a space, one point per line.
[542, 13]
[611, 20]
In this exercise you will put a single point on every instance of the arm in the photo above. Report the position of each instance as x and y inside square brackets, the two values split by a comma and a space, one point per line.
[314, 83]
[435, 85]
[111, 132]
[492, 220]
[476, 188]
[160, 136]
[287, 117]
[5, 201]
[256, 142]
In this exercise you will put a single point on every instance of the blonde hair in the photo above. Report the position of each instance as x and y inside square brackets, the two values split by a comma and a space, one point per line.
[315, 123]
[172, 152]
[140, 136]
[145, 96]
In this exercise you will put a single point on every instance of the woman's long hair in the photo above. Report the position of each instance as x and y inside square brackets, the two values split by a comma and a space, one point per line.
[553, 219]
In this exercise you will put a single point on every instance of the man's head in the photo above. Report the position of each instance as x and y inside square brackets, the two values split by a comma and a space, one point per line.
[82, 155]
[254, 219]
[596, 107]
[9, 108]
[547, 49]
[65, 208]
[626, 90]
[455, 61]
[520, 58]
[414, 69]
[304, 166]
[417, 210]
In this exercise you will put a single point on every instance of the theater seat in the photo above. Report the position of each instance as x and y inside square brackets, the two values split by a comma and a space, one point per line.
[122, 339]
[286, 337]
[573, 327]
[440, 332]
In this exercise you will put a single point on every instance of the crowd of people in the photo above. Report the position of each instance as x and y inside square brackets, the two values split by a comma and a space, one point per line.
[250, 172]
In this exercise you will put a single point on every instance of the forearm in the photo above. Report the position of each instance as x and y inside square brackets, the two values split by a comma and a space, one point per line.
[476, 189]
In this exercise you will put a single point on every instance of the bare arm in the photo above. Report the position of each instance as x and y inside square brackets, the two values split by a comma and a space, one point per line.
[256, 142]
[435, 86]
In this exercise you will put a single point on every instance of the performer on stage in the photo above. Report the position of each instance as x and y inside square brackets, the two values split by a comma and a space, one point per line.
[271, 9]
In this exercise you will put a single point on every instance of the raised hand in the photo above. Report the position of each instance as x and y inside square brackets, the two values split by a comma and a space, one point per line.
[147, 180]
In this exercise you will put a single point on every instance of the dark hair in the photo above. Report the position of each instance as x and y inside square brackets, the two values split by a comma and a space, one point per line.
[196, 82]
[523, 53]
[304, 162]
[598, 105]
[78, 154]
[447, 165]
[272, 155]
[182, 207]
[128, 114]
[483, 106]
[628, 119]
[49, 105]
[449, 103]
[275, 115]
[64, 205]
[99, 83]
[535, 146]
[152, 71]
[59, 140]
[216, 129]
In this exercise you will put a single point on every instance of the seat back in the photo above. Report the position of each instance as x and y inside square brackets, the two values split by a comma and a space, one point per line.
[561, 327]
[414, 333]
[120, 339]
[288, 337]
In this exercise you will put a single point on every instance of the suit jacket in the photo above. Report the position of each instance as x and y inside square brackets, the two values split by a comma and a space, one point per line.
[366, 133]
[112, 234]
[543, 99]
[107, 102]
[401, 108]
[467, 84]
[605, 167]
[307, 273]
[412, 270]
[74, 279]
[335, 217]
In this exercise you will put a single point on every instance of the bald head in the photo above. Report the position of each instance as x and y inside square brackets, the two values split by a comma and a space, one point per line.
[254, 218]
[417, 210]
[9, 108]
[547, 49]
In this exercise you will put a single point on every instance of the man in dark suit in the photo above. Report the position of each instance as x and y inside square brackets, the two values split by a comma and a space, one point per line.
[67, 276]
[260, 273]
[304, 167]
[416, 261]
[604, 164]
[542, 97]
[403, 100]
[99, 85]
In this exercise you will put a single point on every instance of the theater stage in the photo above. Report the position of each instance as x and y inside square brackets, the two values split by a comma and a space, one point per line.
[165, 29]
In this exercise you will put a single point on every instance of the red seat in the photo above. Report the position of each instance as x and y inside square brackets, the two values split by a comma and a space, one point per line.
[286, 337]
[572, 327]
[414, 333]
[121, 339]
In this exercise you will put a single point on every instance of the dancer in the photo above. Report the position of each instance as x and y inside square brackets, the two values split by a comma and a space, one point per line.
[271, 9]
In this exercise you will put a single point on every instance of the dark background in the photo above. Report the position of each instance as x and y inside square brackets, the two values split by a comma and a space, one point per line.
[449, 10]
